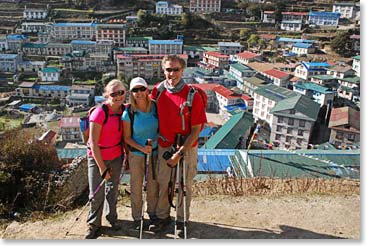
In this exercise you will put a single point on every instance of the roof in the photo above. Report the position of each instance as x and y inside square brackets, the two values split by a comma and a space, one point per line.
[47, 136]
[247, 55]
[301, 104]
[276, 73]
[71, 153]
[72, 121]
[260, 66]
[313, 87]
[139, 38]
[228, 135]
[355, 36]
[353, 80]
[268, 36]
[341, 68]
[8, 56]
[27, 84]
[208, 86]
[294, 40]
[357, 58]
[180, 42]
[52, 88]
[34, 45]
[50, 70]
[325, 14]
[225, 92]
[27, 107]
[216, 54]
[302, 45]
[85, 42]
[282, 164]
[255, 81]
[90, 24]
[275, 93]
[231, 44]
[16, 37]
[240, 67]
[323, 77]
[315, 65]
[345, 116]
[294, 13]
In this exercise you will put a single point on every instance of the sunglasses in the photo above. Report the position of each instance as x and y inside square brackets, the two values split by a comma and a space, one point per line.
[139, 89]
[175, 69]
[117, 93]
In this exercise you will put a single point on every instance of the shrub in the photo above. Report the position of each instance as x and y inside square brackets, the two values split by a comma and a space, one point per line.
[25, 167]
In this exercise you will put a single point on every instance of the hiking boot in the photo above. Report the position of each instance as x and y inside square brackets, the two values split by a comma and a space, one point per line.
[92, 232]
[159, 224]
[115, 226]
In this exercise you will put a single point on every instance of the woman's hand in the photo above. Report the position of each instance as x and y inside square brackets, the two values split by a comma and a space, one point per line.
[147, 149]
[105, 173]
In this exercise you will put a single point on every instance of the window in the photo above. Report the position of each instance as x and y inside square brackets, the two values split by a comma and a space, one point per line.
[351, 137]
[300, 132]
[290, 121]
[277, 136]
[280, 119]
[289, 130]
[292, 111]
[279, 128]
[288, 139]
[339, 135]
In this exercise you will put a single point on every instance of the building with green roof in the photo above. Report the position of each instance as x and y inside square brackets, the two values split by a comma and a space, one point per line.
[229, 136]
[289, 115]
[50, 74]
[197, 51]
[320, 94]
[138, 41]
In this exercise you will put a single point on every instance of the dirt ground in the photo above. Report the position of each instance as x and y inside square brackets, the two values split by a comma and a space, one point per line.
[332, 216]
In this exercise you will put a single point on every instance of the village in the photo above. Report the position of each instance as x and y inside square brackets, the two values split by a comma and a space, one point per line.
[282, 77]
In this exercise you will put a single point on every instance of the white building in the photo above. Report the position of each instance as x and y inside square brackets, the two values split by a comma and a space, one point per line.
[347, 10]
[247, 56]
[35, 27]
[230, 48]
[9, 62]
[320, 94]
[166, 8]
[80, 95]
[357, 65]
[303, 49]
[34, 14]
[290, 116]
[324, 18]
[3, 43]
[205, 6]
[308, 69]
[70, 129]
[268, 16]
[293, 21]
[114, 32]
[72, 30]
[51, 74]
[165, 46]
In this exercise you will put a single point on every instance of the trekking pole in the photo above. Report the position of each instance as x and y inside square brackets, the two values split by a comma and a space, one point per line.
[90, 199]
[177, 183]
[184, 194]
[146, 167]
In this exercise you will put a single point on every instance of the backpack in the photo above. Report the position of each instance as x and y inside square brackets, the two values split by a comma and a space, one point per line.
[84, 121]
[190, 96]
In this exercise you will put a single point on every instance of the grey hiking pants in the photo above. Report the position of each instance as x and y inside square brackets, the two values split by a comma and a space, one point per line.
[164, 173]
[108, 192]
[137, 169]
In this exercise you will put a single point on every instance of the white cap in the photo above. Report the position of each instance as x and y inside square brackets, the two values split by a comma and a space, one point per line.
[138, 81]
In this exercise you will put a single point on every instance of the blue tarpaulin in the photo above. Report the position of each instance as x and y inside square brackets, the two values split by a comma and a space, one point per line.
[27, 107]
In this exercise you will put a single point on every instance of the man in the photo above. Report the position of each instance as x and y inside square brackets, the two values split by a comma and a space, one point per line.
[176, 119]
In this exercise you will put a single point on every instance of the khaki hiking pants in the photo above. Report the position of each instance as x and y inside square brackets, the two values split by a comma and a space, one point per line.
[137, 164]
[164, 173]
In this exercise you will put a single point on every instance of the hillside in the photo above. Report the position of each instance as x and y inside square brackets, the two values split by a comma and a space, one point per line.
[263, 216]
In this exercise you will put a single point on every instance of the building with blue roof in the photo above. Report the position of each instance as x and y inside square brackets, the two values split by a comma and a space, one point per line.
[303, 48]
[73, 30]
[16, 41]
[284, 42]
[165, 46]
[27, 107]
[324, 18]
[46, 92]
[9, 62]
[308, 69]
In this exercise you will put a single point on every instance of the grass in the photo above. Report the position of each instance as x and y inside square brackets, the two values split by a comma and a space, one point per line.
[10, 123]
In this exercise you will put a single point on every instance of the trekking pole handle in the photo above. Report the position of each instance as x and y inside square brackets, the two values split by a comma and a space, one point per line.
[149, 142]
[105, 172]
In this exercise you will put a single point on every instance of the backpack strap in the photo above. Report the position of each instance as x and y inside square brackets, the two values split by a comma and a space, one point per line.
[131, 116]
[190, 97]
[160, 89]
[105, 110]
